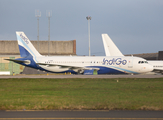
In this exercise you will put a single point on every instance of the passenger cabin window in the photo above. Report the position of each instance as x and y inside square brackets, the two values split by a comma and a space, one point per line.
[142, 62]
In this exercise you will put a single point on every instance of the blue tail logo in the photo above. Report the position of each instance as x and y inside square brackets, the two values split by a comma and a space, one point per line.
[25, 46]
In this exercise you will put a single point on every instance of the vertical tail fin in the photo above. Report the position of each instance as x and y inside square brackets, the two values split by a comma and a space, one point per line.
[25, 46]
[109, 46]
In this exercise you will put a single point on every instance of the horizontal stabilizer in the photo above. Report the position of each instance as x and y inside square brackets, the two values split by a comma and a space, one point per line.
[18, 61]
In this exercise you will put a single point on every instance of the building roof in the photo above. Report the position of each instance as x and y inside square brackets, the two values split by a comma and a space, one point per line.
[148, 56]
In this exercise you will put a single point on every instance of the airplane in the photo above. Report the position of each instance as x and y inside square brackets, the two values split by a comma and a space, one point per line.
[86, 65]
[112, 50]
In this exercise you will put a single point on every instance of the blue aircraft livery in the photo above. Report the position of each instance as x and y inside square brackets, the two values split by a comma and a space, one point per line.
[78, 64]
[114, 61]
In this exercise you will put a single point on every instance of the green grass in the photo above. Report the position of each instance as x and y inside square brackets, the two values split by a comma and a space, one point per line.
[81, 94]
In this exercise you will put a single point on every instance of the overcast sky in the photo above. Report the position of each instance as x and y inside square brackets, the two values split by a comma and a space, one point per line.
[135, 26]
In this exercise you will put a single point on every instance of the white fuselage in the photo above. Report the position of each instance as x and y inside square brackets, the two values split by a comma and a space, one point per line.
[87, 65]
[157, 64]
[104, 64]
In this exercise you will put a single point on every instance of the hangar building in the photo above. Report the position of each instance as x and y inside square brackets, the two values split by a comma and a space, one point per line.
[150, 56]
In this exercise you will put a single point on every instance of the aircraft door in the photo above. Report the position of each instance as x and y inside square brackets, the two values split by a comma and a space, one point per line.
[130, 63]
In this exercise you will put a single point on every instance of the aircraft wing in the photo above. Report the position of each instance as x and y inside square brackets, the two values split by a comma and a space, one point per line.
[71, 67]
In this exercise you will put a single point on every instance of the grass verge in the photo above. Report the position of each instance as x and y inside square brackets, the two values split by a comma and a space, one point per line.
[81, 94]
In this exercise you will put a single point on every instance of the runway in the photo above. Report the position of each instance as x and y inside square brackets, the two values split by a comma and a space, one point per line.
[77, 115]
[82, 76]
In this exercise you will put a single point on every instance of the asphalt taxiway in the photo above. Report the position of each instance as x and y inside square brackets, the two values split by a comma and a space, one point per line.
[77, 115]
[82, 76]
